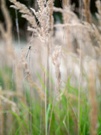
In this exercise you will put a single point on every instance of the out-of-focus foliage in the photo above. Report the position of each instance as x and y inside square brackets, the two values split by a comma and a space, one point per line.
[31, 3]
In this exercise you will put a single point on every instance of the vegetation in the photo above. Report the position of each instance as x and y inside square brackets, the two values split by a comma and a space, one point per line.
[51, 86]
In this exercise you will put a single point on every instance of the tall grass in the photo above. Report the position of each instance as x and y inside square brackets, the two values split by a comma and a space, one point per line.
[52, 86]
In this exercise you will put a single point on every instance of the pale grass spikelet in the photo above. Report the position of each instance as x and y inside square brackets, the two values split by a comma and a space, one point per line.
[56, 59]
[41, 4]
[26, 13]
[43, 18]
[29, 78]
[50, 5]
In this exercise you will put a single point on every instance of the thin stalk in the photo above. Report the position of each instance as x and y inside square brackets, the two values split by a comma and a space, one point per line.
[17, 28]
[46, 89]
[87, 10]
[80, 66]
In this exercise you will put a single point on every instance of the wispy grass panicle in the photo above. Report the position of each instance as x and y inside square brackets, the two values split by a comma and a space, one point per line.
[41, 4]
[44, 16]
[56, 59]
[26, 13]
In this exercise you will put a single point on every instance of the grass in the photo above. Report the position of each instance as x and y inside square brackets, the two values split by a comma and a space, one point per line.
[55, 90]
[6, 78]
[61, 116]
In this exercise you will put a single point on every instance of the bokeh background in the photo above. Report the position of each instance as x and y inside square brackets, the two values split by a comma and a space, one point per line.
[32, 3]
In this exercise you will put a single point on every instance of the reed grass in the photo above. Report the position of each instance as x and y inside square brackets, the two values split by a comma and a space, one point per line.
[52, 86]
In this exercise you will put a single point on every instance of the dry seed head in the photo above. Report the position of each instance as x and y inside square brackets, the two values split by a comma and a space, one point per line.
[56, 56]
[25, 12]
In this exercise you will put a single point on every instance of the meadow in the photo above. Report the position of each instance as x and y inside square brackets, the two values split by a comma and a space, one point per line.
[51, 85]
